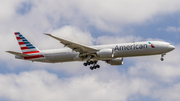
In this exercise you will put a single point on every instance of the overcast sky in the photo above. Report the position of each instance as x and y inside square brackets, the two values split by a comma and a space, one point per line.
[90, 22]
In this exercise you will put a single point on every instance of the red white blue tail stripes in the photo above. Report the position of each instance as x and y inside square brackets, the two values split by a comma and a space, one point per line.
[25, 45]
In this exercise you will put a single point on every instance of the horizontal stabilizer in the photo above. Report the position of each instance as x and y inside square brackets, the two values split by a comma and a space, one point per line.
[18, 54]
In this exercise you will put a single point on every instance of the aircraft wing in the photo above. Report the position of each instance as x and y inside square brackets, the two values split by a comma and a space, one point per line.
[74, 46]
[18, 54]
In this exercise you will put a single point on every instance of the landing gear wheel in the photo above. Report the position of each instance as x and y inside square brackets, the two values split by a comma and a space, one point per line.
[88, 63]
[162, 55]
[162, 59]
[91, 68]
[85, 64]
[91, 62]
[98, 66]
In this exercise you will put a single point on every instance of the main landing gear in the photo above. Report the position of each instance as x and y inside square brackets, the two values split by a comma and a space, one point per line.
[94, 64]
[162, 55]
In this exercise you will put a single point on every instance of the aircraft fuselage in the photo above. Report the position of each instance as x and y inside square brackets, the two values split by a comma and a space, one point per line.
[119, 50]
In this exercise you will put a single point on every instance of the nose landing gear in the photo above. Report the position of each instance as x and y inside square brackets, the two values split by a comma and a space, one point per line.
[162, 55]
[162, 59]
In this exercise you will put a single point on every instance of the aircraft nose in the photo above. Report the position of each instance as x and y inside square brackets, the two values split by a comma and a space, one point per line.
[172, 47]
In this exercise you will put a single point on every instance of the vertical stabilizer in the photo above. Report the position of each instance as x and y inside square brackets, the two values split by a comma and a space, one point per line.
[25, 45]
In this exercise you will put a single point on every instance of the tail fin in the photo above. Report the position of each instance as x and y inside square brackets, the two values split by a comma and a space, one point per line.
[25, 45]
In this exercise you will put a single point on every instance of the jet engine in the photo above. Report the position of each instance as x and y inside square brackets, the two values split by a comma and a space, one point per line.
[116, 61]
[105, 54]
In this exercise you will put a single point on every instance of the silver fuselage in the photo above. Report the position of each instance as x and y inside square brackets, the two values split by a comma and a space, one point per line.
[119, 50]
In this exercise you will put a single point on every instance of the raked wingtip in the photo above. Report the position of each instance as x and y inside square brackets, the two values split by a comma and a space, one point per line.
[47, 34]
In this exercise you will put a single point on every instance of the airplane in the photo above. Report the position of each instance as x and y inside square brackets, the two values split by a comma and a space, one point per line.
[112, 54]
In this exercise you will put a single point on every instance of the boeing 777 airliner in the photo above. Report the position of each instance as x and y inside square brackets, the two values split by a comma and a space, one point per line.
[112, 54]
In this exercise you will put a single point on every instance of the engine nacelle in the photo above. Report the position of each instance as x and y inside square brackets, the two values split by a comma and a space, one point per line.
[105, 54]
[116, 61]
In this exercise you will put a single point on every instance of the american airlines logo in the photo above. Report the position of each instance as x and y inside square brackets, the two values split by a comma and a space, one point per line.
[151, 45]
[131, 47]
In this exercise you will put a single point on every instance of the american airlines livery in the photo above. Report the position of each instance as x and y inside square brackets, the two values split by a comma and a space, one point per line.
[112, 54]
